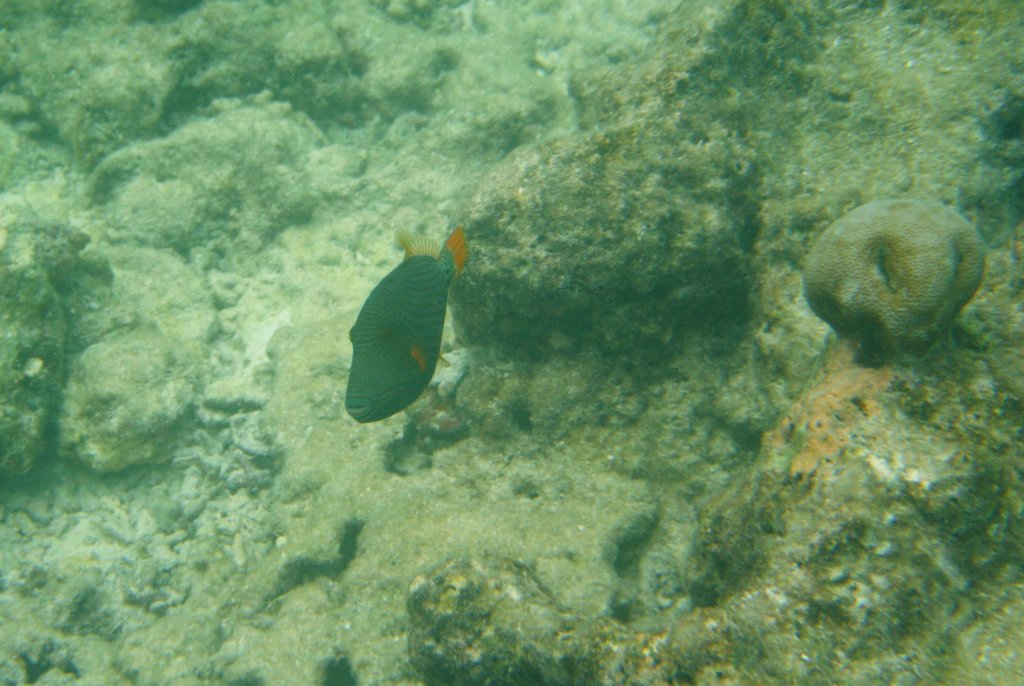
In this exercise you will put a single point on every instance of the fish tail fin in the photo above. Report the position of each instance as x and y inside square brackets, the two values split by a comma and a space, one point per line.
[456, 245]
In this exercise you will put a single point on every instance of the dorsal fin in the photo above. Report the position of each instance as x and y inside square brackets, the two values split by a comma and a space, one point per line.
[418, 245]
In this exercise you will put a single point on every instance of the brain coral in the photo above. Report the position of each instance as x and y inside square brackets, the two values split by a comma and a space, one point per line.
[893, 274]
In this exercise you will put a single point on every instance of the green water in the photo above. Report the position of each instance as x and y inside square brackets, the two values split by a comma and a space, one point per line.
[645, 460]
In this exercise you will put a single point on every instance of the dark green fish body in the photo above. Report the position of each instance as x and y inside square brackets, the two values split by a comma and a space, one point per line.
[396, 339]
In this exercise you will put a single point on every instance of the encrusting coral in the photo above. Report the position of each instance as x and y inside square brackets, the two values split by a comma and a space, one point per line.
[893, 274]
[820, 423]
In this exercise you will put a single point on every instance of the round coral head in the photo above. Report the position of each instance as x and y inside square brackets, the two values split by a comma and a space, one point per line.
[893, 274]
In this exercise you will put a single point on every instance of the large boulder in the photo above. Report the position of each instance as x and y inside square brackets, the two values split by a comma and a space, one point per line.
[618, 240]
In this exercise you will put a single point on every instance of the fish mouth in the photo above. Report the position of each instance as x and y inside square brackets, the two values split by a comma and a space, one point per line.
[360, 413]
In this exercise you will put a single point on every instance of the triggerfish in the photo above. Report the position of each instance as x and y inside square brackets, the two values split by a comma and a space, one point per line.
[396, 339]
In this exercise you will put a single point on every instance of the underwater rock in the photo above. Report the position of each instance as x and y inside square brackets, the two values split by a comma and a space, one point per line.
[40, 263]
[172, 5]
[165, 213]
[880, 546]
[31, 362]
[893, 274]
[96, 100]
[35, 656]
[318, 69]
[158, 287]
[308, 59]
[613, 240]
[475, 622]
[988, 655]
[11, 671]
[235, 178]
[130, 399]
[729, 544]
[491, 621]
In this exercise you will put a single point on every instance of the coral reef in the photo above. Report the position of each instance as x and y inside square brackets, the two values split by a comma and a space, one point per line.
[893, 274]
[841, 570]
[648, 461]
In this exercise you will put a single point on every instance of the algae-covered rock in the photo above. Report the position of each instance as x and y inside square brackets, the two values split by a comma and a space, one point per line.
[318, 70]
[989, 655]
[31, 363]
[164, 213]
[491, 621]
[130, 399]
[238, 177]
[96, 98]
[171, 5]
[39, 260]
[474, 622]
[877, 549]
[618, 240]
[728, 546]
[834, 575]
[893, 274]
[300, 56]
[160, 289]
[36, 655]
[9, 145]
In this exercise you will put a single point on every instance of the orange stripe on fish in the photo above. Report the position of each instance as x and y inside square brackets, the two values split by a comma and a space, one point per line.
[417, 355]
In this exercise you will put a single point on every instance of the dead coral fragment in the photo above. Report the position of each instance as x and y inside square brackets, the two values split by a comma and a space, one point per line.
[893, 274]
